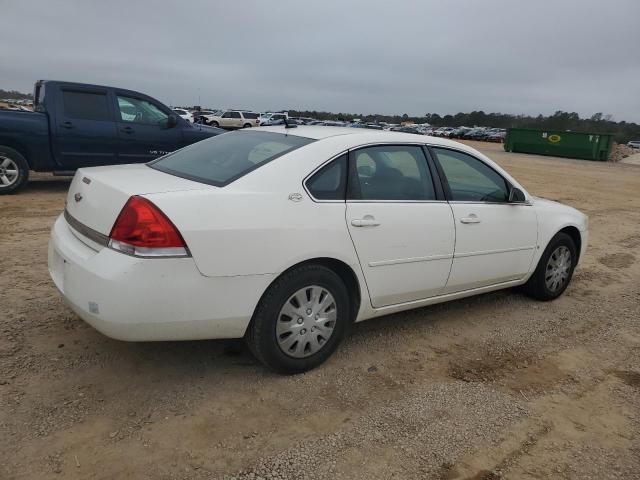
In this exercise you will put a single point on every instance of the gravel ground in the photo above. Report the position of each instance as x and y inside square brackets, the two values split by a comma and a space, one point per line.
[496, 386]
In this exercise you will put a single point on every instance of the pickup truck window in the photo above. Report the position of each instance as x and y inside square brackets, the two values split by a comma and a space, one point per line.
[136, 110]
[85, 105]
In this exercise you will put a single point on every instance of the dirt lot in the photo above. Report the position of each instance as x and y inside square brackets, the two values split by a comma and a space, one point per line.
[483, 388]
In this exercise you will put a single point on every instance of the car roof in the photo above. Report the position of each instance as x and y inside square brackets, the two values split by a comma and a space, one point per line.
[319, 132]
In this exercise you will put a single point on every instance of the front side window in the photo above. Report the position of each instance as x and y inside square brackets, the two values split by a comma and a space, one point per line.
[391, 172]
[136, 110]
[224, 158]
[330, 182]
[85, 105]
[471, 180]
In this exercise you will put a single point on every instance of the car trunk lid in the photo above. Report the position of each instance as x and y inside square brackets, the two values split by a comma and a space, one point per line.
[96, 195]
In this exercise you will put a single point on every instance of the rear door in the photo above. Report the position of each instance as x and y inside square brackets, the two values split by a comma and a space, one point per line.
[143, 130]
[400, 224]
[85, 129]
[495, 239]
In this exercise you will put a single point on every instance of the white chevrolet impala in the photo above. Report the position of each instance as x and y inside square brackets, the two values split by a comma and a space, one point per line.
[286, 236]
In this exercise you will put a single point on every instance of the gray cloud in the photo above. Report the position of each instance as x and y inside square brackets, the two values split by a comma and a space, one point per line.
[356, 56]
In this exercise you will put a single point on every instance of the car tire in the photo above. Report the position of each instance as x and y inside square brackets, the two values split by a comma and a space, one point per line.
[14, 171]
[215, 124]
[272, 334]
[554, 270]
[246, 125]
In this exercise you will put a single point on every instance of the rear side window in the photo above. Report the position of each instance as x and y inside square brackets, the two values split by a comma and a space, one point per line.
[224, 158]
[330, 182]
[250, 115]
[85, 105]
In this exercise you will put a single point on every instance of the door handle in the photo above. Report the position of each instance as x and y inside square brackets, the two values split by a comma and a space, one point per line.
[366, 221]
[127, 130]
[472, 218]
[66, 125]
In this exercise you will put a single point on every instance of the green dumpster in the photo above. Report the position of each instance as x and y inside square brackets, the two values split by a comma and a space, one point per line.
[589, 146]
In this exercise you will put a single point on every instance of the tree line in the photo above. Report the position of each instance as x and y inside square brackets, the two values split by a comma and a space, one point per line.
[597, 123]
[15, 95]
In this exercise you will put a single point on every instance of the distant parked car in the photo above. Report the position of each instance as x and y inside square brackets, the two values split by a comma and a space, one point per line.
[235, 119]
[634, 144]
[202, 116]
[188, 116]
[272, 118]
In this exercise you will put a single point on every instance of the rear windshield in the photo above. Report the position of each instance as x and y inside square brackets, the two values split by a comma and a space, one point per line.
[224, 158]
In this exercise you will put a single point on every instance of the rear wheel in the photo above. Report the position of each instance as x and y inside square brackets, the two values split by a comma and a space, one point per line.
[246, 125]
[14, 171]
[555, 269]
[301, 320]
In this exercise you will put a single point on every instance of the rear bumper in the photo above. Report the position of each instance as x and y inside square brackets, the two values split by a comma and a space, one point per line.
[138, 299]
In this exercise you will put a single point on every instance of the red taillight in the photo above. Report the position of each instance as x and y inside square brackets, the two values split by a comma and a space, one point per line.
[142, 229]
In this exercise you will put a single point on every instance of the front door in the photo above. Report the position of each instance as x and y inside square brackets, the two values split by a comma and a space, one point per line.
[230, 120]
[495, 239]
[402, 232]
[85, 129]
[143, 131]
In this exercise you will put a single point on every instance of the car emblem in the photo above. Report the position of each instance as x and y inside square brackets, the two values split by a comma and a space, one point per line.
[77, 197]
[86, 180]
[295, 197]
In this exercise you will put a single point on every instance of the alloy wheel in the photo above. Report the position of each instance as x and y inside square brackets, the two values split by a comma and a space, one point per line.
[8, 171]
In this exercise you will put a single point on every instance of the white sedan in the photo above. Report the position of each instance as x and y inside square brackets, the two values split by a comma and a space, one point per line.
[188, 116]
[285, 236]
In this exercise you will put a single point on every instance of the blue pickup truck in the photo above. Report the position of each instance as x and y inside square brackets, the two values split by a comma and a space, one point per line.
[76, 125]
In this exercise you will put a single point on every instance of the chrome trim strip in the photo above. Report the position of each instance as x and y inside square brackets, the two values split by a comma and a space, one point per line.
[473, 202]
[491, 252]
[396, 201]
[410, 260]
[88, 232]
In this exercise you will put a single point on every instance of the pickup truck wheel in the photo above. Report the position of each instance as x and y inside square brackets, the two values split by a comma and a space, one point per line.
[14, 171]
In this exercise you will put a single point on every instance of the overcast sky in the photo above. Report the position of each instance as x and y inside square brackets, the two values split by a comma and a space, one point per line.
[338, 55]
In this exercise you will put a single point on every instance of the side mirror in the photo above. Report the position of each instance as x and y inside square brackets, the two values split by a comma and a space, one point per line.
[516, 196]
[172, 121]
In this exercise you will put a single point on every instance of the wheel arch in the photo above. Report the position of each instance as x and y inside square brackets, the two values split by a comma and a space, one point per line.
[20, 148]
[340, 268]
[575, 235]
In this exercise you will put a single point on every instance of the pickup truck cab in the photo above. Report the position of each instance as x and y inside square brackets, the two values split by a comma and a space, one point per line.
[76, 125]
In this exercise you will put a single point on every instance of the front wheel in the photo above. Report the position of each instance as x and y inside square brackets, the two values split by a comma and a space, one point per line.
[555, 269]
[14, 171]
[301, 320]
[215, 124]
